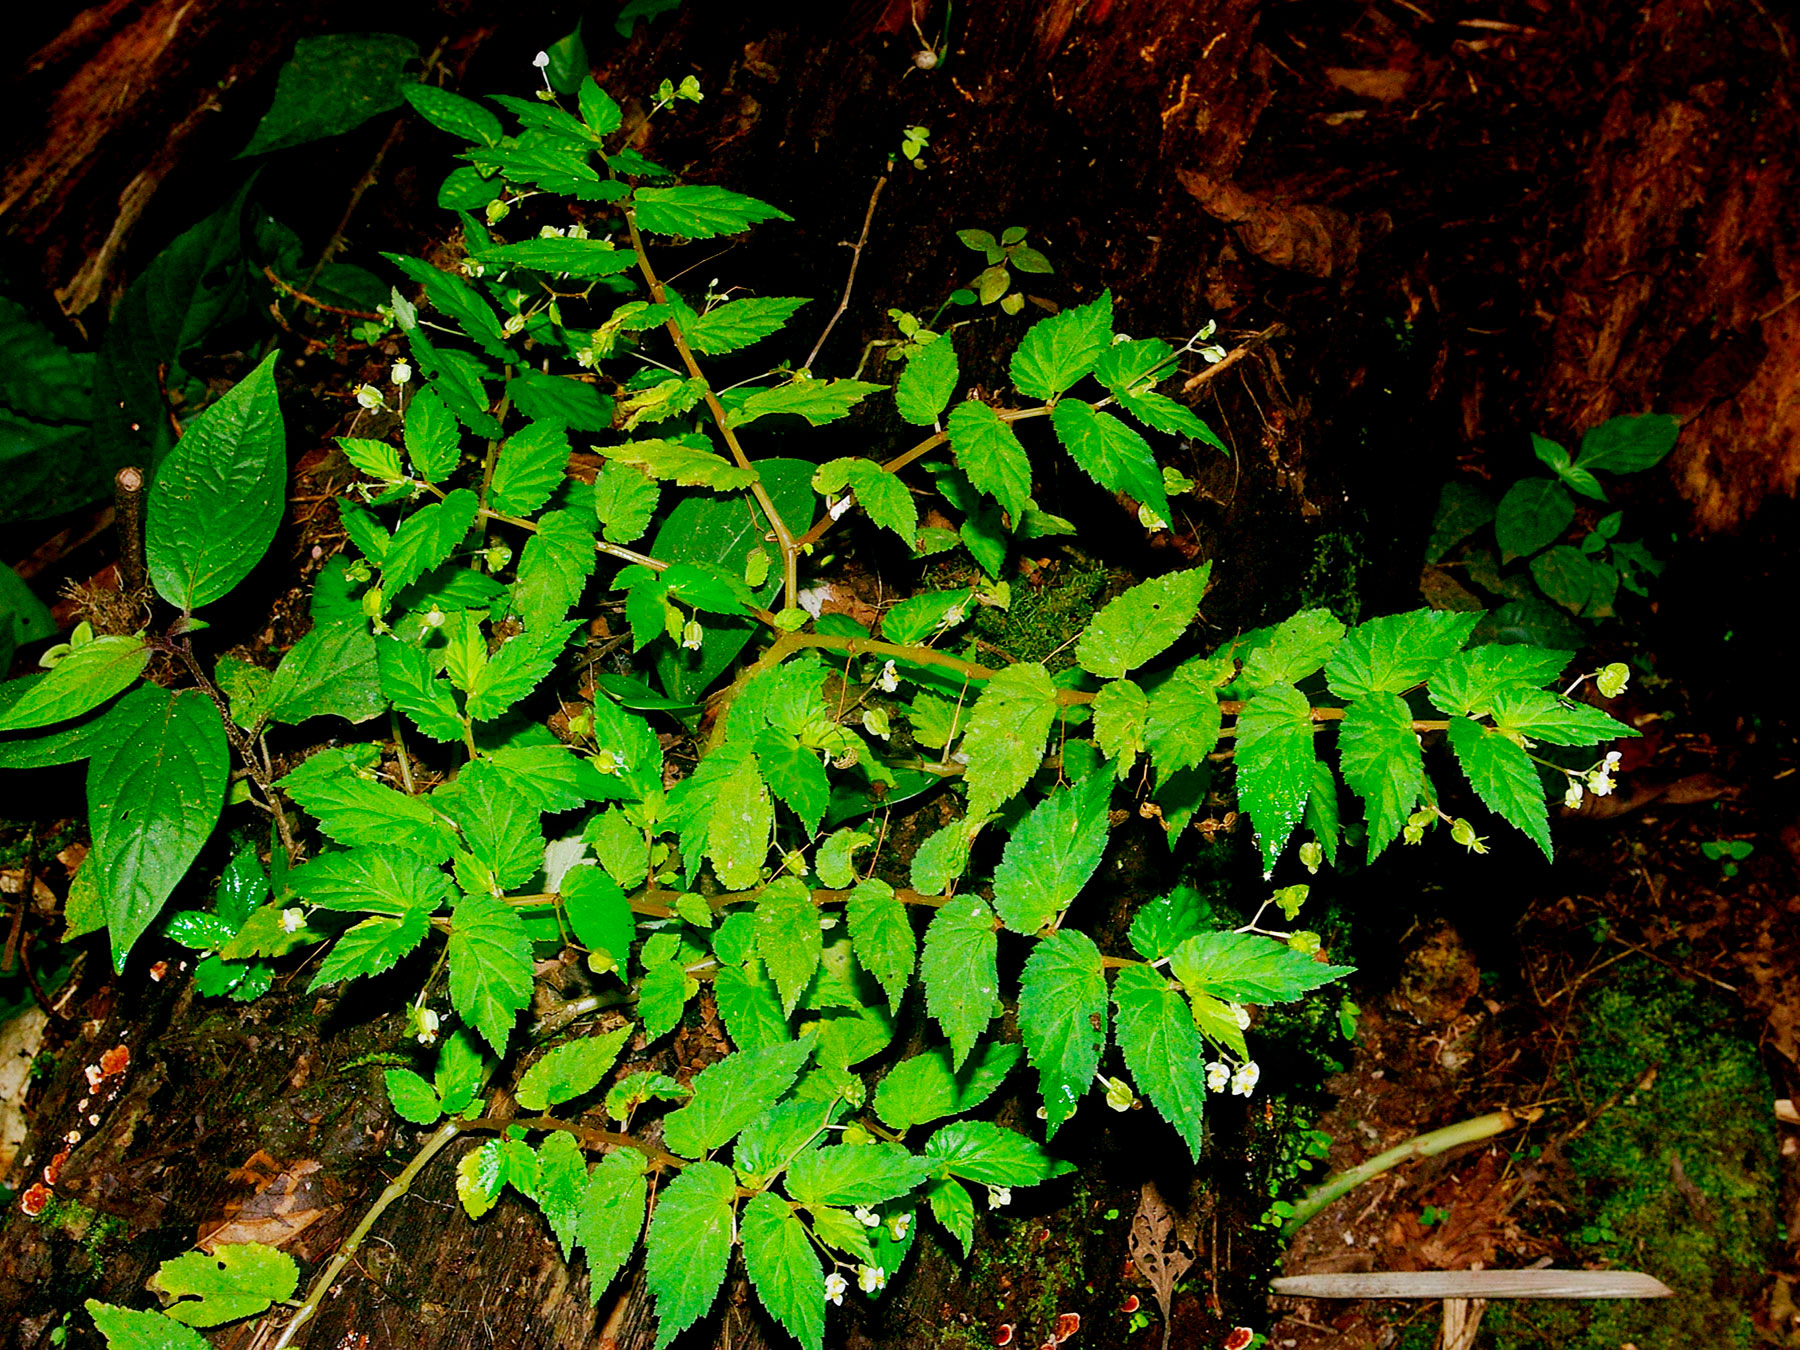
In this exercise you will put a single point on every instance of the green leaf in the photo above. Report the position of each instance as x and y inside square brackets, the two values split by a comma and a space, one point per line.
[490, 966]
[377, 459]
[128, 1329]
[1248, 968]
[218, 495]
[988, 451]
[1565, 575]
[625, 499]
[725, 814]
[1062, 1017]
[462, 305]
[1462, 509]
[499, 823]
[689, 1246]
[561, 1186]
[1629, 444]
[882, 937]
[598, 110]
[426, 538]
[783, 1268]
[433, 443]
[353, 810]
[1382, 762]
[619, 846]
[571, 1069]
[990, 1156]
[1183, 722]
[154, 791]
[519, 667]
[530, 467]
[1142, 623]
[84, 679]
[751, 1008]
[925, 1087]
[1110, 453]
[1125, 364]
[1051, 855]
[453, 113]
[886, 499]
[234, 1281]
[599, 912]
[578, 258]
[958, 968]
[925, 386]
[1533, 513]
[632, 1091]
[1545, 717]
[1163, 1049]
[329, 672]
[553, 569]
[1296, 648]
[461, 1070]
[662, 995]
[374, 880]
[681, 463]
[1390, 655]
[739, 323]
[554, 398]
[1502, 775]
[794, 774]
[788, 937]
[372, 946]
[1007, 730]
[834, 859]
[331, 84]
[943, 856]
[818, 401]
[612, 1217]
[549, 777]
[730, 1094]
[1059, 350]
[952, 1207]
[412, 1098]
[698, 212]
[846, 1174]
[408, 681]
[1274, 765]
[1469, 681]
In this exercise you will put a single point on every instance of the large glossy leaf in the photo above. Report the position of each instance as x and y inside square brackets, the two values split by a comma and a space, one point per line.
[331, 84]
[154, 791]
[218, 496]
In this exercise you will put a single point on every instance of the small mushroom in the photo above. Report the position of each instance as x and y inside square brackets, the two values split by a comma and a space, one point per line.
[1238, 1339]
[1003, 1336]
[1067, 1324]
[1130, 1305]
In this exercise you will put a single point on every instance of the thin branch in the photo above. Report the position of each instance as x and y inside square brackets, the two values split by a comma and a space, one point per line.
[306, 299]
[849, 281]
[1232, 357]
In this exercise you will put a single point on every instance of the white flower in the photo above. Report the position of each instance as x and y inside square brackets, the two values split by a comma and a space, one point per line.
[428, 1026]
[401, 373]
[434, 617]
[1572, 794]
[897, 1225]
[870, 1278]
[577, 231]
[1119, 1095]
[541, 60]
[369, 397]
[1600, 783]
[1218, 1074]
[1243, 1082]
[293, 920]
[889, 679]
[692, 635]
[1613, 757]
[513, 325]
[835, 1288]
[999, 1197]
[866, 1217]
[549, 232]
[1241, 1015]
[954, 615]
[813, 600]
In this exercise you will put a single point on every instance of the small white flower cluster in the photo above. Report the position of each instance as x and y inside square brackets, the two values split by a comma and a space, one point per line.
[836, 1286]
[999, 1197]
[1598, 780]
[889, 679]
[870, 1279]
[1242, 1080]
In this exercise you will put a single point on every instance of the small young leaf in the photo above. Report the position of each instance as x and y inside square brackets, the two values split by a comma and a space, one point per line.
[689, 1246]
[699, 212]
[788, 937]
[571, 1069]
[682, 464]
[818, 401]
[751, 1008]
[958, 968]
[1051, 855]
[426, 538]
[1248, 968]
[924, 388]
[490, 966]
[882, 937]
[1110, 453]
[783, 1268]
[1007, 731]
[433, 443]
[1275, 765]
[461, 1070]
[833, 861]
[1059, 350]
[730, 1094]
[612, 1217]
[129, 1329]
[662, 995]
[923, 1088]
[987, 450]
[1142, 623]
[632, 1091]
[1062, 1017]
[990, 1156]
[1296, 648]
[1163, 1050]
[740, 323]
[234, 1281]
[1382, 762]
[1502, 775]
[530, 468]
[461, 304]
[413, 1098]
[1162, 925]
[372, 947]
[377, 459]
[218, 495]
[952, 1207]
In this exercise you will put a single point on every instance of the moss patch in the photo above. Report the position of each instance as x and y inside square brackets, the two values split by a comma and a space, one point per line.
[1048, 608]
[1677, 1177]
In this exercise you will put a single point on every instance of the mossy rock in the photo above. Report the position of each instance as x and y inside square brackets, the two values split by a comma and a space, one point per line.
[1677, 1177]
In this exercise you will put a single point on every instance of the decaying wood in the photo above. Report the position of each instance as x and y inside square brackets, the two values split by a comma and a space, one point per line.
[1474, 1284]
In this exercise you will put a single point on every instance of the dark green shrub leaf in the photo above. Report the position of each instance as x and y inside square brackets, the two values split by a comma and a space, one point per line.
[952, 1207]
[574, 258]
[552, 398]
[599, 912]
[453, 113]
[433, 442]
[1062, 1017]
[352, 809]
[990, 1156]
[988, 451]
[530, 468]
[331, 671]
[1462, 509]
[426, 538]
[1565, 575]
[79, 683]
[1162, 925]
[1629, 444]
[1533, 513]
[1163, 1050]
[331, 84]
[882, 937]
[408, 682]
[962, 984]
